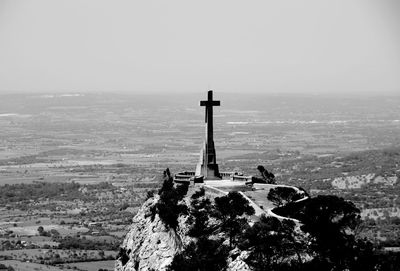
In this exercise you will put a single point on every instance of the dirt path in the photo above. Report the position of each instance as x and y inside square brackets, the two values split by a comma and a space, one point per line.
[219, 186]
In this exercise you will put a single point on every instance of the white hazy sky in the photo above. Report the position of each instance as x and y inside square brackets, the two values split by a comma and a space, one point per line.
[232, 46]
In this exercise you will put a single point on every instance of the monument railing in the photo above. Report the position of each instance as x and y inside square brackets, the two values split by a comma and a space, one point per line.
[241, 178]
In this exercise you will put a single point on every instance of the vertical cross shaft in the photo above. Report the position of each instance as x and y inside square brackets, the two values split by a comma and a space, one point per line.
[209, 104]
[208, 165]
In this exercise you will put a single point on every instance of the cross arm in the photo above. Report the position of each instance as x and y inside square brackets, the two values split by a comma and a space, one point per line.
[210, 103]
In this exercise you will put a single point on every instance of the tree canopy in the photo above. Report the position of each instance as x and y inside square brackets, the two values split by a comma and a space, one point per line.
[271, 242]
[168, 207]
[208, 250]
[283, 195]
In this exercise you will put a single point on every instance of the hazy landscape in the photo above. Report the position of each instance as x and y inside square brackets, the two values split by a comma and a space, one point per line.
[75, 167]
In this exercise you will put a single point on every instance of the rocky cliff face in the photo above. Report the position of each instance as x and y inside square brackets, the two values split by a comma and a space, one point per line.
[150, 245]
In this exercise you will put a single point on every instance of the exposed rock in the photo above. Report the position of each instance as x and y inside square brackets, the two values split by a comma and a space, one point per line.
[149, 244]
[237, 261]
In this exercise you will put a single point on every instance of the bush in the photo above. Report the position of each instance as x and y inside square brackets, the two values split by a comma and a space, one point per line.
[168, 207]
[203, 255]
[283, 195]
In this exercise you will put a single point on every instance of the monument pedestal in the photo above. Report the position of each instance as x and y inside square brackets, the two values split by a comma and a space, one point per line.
[210, 171]
[207, 166]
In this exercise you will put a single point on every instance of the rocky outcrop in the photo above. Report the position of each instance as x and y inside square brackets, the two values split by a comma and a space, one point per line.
[237, 260]
[149, 244]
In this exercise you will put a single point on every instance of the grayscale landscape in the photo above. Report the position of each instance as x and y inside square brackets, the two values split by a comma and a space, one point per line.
[199, 135]
[75, 167]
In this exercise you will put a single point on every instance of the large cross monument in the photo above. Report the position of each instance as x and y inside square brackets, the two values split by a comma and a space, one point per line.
[208, 166]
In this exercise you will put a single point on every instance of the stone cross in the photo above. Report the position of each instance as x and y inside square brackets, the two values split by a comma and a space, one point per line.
[208, 166]
[209, 104]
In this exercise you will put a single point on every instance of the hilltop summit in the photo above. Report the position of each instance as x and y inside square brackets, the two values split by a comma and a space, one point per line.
[210, 220]
[151, 244]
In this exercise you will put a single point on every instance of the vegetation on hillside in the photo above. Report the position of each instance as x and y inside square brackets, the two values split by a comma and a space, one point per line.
[282, 195]
[273, 244]
[169, 207]
[210, 225]
[17, 193]
[325, 239]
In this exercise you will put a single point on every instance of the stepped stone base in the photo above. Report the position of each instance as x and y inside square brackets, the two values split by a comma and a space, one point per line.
[210, 172]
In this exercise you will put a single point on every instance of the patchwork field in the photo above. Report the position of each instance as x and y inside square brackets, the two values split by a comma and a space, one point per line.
[91, 266]
[75, 169]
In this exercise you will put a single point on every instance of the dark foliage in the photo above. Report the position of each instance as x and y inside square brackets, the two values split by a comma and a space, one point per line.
[50, 190]
[6, 268]
[72, 242]
[330, 244]
[208, 252]
[168, 207]
[331, 222]
[202, 255]
[282, 195]
[271, 243]
[264, 176]
[230, 210]
[199, 214]
[123, 255]
[389, 261]
[291, 210]
[149, 194]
